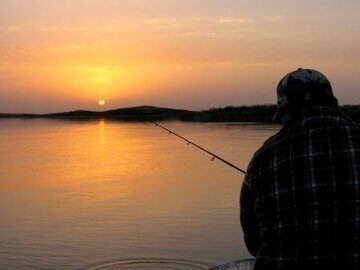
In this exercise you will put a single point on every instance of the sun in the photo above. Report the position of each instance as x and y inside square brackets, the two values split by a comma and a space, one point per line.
[101, 102]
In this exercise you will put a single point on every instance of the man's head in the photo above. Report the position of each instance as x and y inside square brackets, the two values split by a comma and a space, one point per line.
[301, 89]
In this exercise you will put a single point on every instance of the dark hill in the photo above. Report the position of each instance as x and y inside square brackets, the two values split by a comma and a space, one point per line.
[79, 113]
[132, 113]
[144, 110]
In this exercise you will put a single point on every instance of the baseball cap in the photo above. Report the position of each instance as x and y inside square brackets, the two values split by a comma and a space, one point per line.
[303, 88]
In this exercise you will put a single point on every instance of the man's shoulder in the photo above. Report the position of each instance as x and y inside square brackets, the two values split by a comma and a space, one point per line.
[285, 137]
[269, 144]
[263, 152]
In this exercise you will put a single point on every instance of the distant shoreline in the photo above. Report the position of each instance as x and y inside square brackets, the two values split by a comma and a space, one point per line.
[255, 114]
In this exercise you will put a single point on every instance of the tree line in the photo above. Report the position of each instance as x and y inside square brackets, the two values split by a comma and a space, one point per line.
[255, 113]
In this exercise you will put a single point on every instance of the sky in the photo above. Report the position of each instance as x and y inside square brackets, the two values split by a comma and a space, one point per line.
[67, 55]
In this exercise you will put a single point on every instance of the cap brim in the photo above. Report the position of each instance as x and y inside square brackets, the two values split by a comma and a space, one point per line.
[276, 117]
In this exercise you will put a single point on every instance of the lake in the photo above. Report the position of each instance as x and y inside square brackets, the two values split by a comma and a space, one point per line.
[104, 194]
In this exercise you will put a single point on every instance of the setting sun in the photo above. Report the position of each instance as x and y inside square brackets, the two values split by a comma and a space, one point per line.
[101, 102]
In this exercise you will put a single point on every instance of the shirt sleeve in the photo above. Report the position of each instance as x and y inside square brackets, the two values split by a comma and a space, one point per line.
[247, 212]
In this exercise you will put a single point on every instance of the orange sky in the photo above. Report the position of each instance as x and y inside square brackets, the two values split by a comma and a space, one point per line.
[66, 55]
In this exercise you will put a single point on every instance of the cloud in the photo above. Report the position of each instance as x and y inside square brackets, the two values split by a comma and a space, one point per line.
[234, 21]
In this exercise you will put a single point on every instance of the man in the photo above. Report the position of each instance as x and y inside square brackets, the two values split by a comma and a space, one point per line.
[300, 200]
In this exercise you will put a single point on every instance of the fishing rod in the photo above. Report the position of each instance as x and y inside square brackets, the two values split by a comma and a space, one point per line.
[214, 156]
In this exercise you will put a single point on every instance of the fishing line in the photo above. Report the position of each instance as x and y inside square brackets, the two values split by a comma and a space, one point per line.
[214, 156]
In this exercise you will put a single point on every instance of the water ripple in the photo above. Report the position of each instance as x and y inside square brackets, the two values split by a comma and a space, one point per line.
[149, 264]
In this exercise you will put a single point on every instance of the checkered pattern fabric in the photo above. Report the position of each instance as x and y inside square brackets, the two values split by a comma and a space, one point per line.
[300, 200]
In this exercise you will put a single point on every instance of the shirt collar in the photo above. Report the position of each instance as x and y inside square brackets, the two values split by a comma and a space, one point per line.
[302, 117]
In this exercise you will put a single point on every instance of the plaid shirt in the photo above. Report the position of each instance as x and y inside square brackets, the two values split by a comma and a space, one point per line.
[300, 200]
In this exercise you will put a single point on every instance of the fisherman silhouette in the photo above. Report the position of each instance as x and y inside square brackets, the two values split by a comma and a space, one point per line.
[300, 199]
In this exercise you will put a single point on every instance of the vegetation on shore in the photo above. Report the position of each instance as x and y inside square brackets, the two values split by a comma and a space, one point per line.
[255, 113]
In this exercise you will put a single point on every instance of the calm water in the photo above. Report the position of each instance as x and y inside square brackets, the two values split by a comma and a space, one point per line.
[76, 194]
